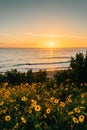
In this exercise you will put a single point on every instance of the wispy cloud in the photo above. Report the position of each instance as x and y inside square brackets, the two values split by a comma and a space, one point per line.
[55, 36]
[43, 35]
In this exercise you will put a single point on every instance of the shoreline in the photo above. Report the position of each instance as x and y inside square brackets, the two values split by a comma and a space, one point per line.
[50, 72]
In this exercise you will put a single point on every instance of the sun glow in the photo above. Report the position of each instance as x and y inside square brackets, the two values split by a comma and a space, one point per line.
[51, 45]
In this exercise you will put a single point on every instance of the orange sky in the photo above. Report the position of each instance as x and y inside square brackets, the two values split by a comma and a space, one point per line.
[36, 24]
[43, 41]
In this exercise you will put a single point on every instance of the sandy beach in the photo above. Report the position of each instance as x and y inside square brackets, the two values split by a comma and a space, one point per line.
[51, 73]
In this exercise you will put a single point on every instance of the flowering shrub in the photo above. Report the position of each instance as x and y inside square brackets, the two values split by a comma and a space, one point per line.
[35, 107]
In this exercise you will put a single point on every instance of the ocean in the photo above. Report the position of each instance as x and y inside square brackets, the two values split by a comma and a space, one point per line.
[36, 59]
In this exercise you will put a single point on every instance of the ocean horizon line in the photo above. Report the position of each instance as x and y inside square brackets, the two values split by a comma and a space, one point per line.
[42, 48]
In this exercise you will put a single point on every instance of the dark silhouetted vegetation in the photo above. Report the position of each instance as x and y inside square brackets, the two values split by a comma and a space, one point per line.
[16, 77]
[78, 71]
[40, 76]
[79, 67]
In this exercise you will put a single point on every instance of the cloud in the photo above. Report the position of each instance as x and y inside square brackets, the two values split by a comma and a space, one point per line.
[55, 36]
[42, 35]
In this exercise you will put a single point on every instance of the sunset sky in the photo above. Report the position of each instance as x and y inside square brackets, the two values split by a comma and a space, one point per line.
[42, 23]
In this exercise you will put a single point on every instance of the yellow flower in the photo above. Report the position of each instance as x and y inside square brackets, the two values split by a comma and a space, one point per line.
[37, 108]
[4, 111]
[7, 94]
[81, 118]
[75, 120]
[52, 98]
[33, 103]
[1, 103]
[82, 95]
[38, 97]
[24, 99]
[70, 113]
[16, 126]
[81, 84]
[83, 101]
[30, 111]
[85, 84]
[48, 110]
[62, 104]
[7, 118]
[66, 89]
[5, 84]
[68, 99]
[26, 84]
[77, 110]
[23, 120]
[12, 101]
[56, 101]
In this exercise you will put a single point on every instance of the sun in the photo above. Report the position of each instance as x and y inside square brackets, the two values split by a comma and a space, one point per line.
[51, 44]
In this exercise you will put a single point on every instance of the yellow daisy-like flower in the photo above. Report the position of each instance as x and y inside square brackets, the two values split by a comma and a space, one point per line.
[23, 120]
[66, 89]
[34, 103]
[70, 113]
[26, 84]
[52, 98]
[75, 120]
[7, 118]
[62, 104]
[81, 84]
[24, 99]
[77, 110]
[83, 95]
[1, 103]
[38, 97]
[48, 110]
[56, 101]
[32, 100]
[5, 84]
[7, 94]
[37, 108]
[69, 100]
[81, 118]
